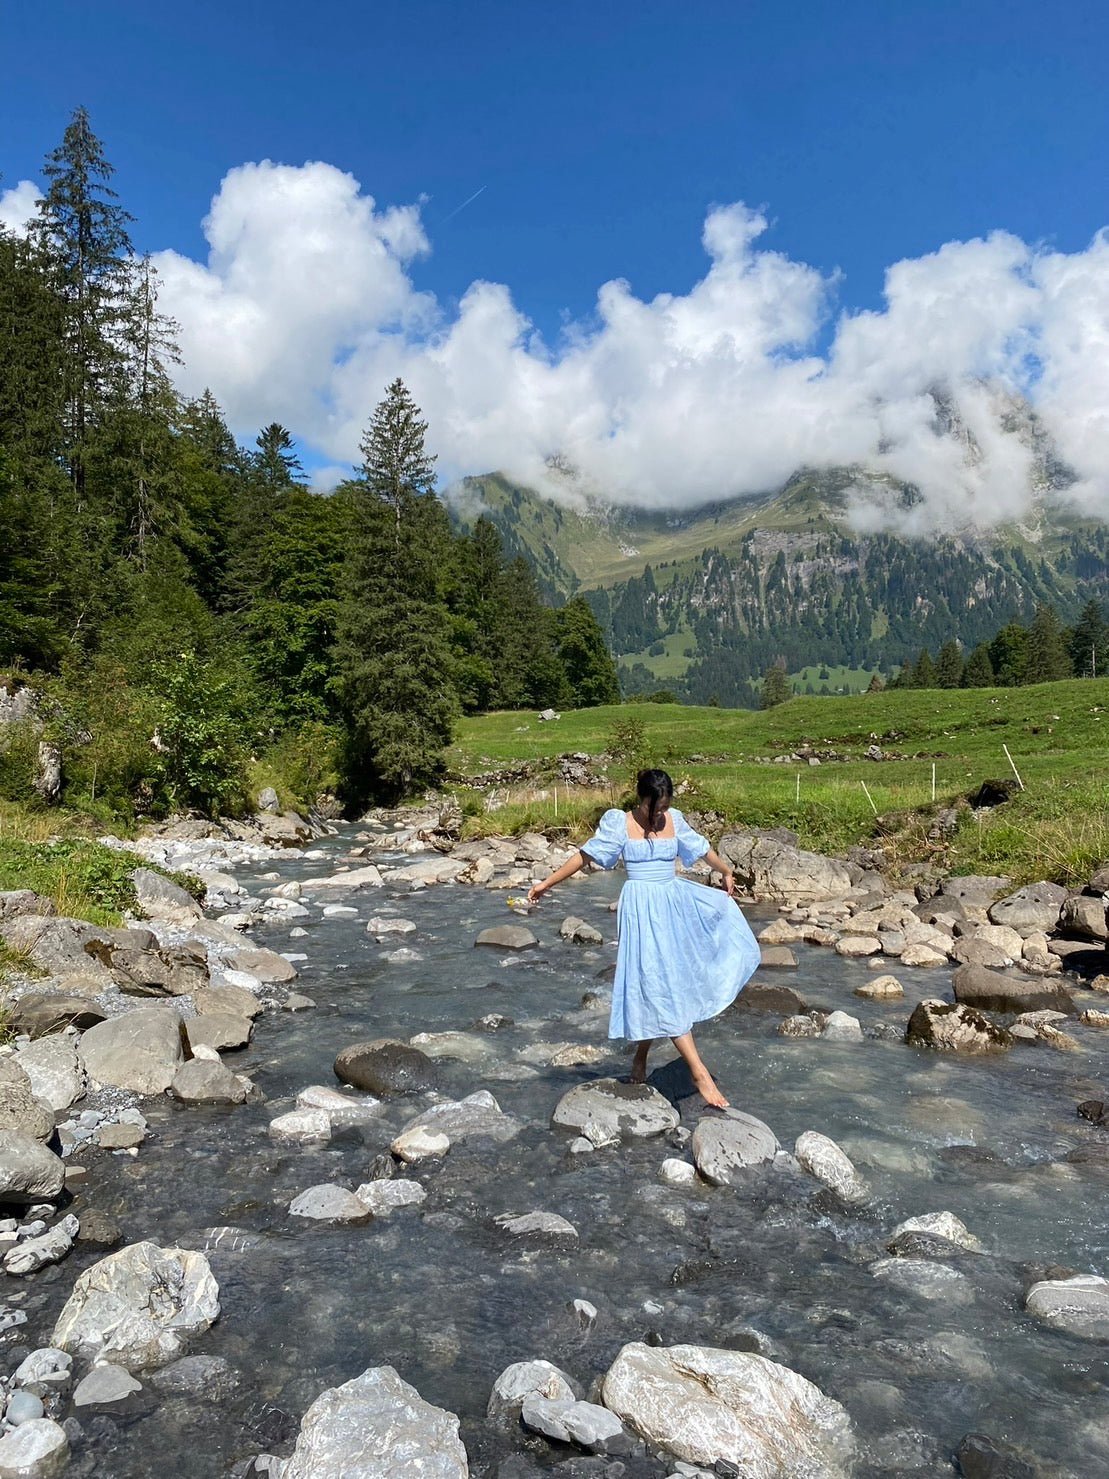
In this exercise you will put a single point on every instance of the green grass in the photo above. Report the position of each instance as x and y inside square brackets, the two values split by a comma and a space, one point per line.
[1057, 733]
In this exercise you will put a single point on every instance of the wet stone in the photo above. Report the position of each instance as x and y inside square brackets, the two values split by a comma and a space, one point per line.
[611, 1109]
[385, 1067]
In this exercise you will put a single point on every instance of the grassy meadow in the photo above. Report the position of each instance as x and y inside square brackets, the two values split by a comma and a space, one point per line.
[1057, 734]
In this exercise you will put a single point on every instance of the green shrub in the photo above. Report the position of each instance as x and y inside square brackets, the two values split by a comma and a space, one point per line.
[83, 878]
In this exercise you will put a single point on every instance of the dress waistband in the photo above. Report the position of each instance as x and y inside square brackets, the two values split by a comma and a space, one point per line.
[660, 870]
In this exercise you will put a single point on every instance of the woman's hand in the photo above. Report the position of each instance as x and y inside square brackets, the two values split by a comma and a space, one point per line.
[728, 884]
[536, 891]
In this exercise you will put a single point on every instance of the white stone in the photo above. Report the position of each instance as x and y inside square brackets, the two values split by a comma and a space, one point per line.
[822, 1157]
[521, 1380]
[383, 1197]
[300, 1127]
[729, 1143]
[842, 1027]
[339, 1108]
[1079, 1305]
[138, 1307]
[941, 1225]
[329, 1203]
[35, 1450]
[674, 1172]
[703, 1404]
[419, 1145]
[381, 925]
[105, 1383]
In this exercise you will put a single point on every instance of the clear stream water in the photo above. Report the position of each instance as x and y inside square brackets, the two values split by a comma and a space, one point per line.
[442, 1294]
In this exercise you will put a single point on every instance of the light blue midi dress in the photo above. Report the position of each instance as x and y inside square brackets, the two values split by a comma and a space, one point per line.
[685, 952]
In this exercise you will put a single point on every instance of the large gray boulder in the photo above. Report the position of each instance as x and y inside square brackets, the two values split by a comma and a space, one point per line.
[705, 1405]
[267, 965]
[1034, 907]
[28, 1171]
[140, 1051]
[69, 949]
[768, 869]
[990, 991]
[56, 1073]
[974, 890]
[39, 1013]
[218, 1030]
[161, 899]
[955, 1027]
[200, 1081]
[725, 1144]
[376, 1427]
[20, 1111]
[1084, 917]
[138, 1307]
[607, 1109]
[507, 937]
[1079, 1305]
[385, 1067]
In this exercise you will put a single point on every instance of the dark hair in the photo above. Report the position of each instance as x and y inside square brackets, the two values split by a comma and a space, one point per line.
[654, 787]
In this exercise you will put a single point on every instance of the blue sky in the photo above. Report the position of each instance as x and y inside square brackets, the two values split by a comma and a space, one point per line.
[600, 131]
[816, 146]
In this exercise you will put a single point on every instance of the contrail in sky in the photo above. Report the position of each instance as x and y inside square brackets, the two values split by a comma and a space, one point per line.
[463, 206]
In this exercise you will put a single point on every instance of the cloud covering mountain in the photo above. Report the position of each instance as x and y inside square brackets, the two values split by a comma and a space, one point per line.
[308, 305]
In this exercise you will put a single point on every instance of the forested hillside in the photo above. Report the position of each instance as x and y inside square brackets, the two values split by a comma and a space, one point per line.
[729, 591]
[185, 612]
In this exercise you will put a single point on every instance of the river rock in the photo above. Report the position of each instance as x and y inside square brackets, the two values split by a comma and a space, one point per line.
[1079, 1305]
[992, 992]
[352, 878]
[591, 1427]
[383, 1197]
[105, 1383]
[477, 1117]
[921, 955]
[955, 1027]
[44, 1371]
[376, 1427]
[340, 1109]
[140, 1050]
[266, 965]
[419, 1144]
[1083, 917]
[507, 937]
[706, 1405]
[606, 1109]
[382, 925]
[329, 1203]
[823, 1158]
[853, 946]
[970, 950]
[119, 1136]
[777, 958]
[674, 1172]
[28, 1171]
[776, 870]
[882, 988]
[41, 1012]
[941, 1225]
[200, 1082]
[138, 1307]
[925, 1278]
[301, 1127]
[537, 1224]
[218, 1030]
[725, 1144]
[56, 1073]
[798, 1026]
[28, 1256]
[521, 1380]
[581, 933]
[385, 1067]
[163, 900]
[20, 1112]
[1034, 907]
[23, 1407]
[35, 1450]
[64, 948]
[227, 999]
[759, 996]
[842, 1027]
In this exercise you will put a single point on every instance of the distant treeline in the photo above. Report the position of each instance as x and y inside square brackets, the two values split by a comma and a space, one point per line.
[1042, 652]
[183, 606]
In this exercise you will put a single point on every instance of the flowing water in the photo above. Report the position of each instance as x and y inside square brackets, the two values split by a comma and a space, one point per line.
[445, 1296]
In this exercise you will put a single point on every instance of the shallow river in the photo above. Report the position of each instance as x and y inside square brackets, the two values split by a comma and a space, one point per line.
[448, 1299]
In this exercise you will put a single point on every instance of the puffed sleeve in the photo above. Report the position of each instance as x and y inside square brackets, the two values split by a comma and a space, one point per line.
[691, 845]
[607, 843]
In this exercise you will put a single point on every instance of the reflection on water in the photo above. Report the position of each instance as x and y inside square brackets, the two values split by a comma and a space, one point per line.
[441, 1293]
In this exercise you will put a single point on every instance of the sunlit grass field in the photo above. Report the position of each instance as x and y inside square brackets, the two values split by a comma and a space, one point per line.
[1056, 733]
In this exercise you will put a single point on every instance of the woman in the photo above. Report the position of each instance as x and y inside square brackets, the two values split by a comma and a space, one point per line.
[685, 951]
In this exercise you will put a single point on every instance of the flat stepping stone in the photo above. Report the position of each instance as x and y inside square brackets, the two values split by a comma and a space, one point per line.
[507, 937]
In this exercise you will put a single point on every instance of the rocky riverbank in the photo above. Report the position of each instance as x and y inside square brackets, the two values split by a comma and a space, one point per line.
[125, 1022]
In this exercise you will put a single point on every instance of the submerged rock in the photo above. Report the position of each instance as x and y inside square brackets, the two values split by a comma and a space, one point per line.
[329, 1203]
[477, 1117]
[376, 1427]
[991, 991]
[706, 1405]
[385, 1067]
[526, 1379]
[1079, 1305]
[507, 937]
[537, 1224]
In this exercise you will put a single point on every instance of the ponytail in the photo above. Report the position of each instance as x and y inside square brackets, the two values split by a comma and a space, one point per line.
[654, 787]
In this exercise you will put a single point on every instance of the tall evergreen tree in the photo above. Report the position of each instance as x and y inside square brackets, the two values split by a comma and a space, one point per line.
[775, 687]
[581, 650]
[949, 665]
[393, 659]
[1048, 659]
[924, 671]
[978, 672]
[1009, 655]
[1089, 642]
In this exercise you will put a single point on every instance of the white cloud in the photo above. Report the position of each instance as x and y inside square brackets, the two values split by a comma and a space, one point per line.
[17, 205]
[306, 308]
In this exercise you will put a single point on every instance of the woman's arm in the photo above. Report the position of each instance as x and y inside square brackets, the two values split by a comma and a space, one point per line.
[718, 865]
[569, 868]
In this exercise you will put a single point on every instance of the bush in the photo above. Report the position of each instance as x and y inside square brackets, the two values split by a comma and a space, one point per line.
[83, 878]
[301, 765]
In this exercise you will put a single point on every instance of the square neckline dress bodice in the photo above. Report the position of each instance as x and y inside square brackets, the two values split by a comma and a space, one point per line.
[684, 951]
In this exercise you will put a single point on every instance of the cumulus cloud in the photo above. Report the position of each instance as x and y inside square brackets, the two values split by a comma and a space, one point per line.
[307, 306]
[17, 206]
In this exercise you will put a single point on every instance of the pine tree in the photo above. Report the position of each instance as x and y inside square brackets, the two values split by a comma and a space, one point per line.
[978, 672]
[584, 656]
[392, 658]
[949, 665]
[1009, 655]
[775, 687]
[924, 671]
[275, 462]
[1089, 642]
[1048, 659]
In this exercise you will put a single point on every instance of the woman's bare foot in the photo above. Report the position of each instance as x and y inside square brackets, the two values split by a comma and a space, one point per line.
[705, 1085]
[638, 1074]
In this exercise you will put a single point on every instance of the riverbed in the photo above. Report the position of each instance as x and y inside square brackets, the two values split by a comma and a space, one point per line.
[774, 1264]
